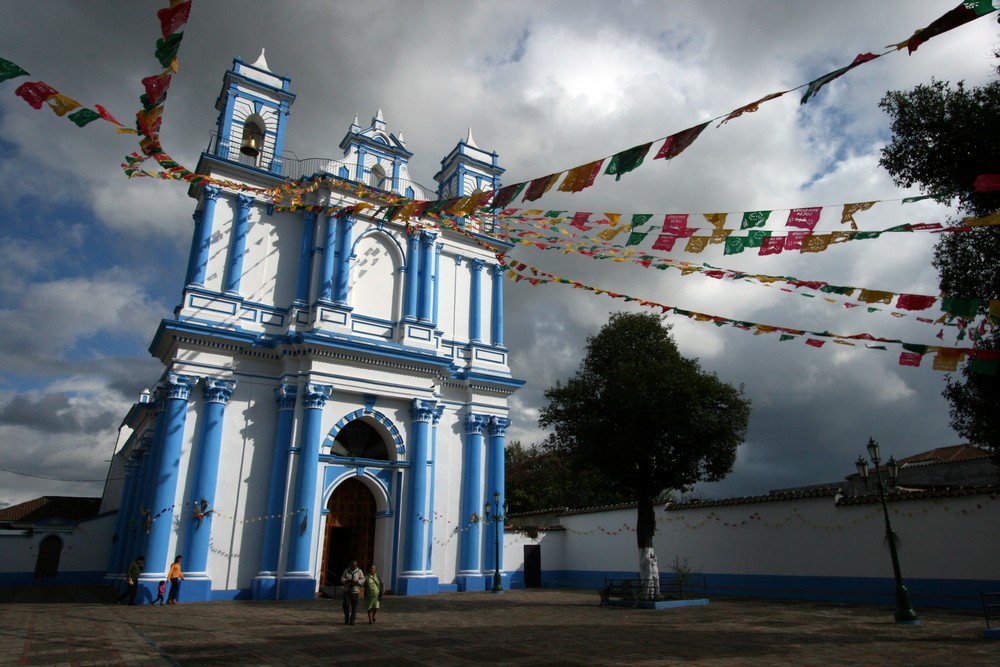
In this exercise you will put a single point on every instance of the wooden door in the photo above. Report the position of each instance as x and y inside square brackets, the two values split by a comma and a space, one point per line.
[350, 530]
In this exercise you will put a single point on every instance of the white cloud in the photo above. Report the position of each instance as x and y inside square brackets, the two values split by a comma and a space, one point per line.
[92, 260]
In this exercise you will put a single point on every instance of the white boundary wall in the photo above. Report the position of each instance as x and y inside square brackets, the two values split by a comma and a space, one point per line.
[806, 547]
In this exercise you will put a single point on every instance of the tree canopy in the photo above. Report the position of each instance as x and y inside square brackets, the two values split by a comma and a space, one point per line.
[651, 420]
[944, 137]
[541, 478]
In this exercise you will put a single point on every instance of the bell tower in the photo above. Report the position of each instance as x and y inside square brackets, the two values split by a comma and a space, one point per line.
[466, 169]
[253, 109]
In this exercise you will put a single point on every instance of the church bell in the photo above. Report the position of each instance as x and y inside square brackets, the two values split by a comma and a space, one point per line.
[250, 146]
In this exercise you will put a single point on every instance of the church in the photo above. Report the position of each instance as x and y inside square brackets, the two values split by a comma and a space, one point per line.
[335, 382]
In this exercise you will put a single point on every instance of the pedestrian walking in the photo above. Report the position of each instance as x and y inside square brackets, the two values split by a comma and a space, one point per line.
[132, 581]
[175, 576]
[161, 588]
[353, 580]
[373, 593]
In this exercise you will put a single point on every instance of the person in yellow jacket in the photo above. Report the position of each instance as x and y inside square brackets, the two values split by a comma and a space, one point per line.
[175, 576]
[373, 593]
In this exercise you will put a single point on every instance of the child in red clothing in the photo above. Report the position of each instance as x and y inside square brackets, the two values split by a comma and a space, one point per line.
[161, 589]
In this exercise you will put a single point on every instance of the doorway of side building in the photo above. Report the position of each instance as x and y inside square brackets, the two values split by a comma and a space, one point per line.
[532, 566]
[49, 551]
[350, 530]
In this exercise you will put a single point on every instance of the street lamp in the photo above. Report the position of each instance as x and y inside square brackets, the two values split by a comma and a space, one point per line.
[498, 520]
[904, 610]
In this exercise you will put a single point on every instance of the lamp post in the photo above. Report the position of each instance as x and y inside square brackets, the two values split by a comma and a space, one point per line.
[498, 520]
[904, 610]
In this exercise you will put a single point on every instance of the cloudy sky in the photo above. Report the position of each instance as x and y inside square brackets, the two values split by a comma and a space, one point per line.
[90, 261]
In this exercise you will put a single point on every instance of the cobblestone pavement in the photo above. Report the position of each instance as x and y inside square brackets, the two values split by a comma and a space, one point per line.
[85, 626]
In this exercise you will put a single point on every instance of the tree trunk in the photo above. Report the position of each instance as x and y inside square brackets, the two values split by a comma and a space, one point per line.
[649, 572]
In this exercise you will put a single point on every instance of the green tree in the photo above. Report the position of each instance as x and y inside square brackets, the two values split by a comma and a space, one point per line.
[542, 478]
[651, 419]
[944, 137]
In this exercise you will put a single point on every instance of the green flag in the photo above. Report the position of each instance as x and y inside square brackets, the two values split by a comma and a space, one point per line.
[9, 70]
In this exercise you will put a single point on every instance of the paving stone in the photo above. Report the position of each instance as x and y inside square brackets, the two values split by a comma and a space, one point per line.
[85, 625]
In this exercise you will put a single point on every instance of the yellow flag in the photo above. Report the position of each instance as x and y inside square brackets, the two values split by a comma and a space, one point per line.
[696, 244]
[875, 296]
[847, 216]
[815, 243]
[717, 220]
[61, 104]
[720, 235]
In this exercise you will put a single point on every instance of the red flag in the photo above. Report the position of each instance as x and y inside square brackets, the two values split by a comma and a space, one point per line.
[910, 359]
[987, 183]
[156, 87]
[105, 115]
[665, 242]
[172, 18]
[956, 17]
[35, 93]
[677, 143]
[814, 342]
[915, 301]
[579, 218]
[540, 186]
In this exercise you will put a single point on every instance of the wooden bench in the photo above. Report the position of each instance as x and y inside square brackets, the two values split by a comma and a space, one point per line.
[617, 589]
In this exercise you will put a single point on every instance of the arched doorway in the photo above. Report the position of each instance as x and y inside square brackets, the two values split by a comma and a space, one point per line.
[47, 565]
[350, 530]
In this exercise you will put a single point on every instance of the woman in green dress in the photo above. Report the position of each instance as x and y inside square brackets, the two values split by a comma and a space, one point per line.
[373, 593]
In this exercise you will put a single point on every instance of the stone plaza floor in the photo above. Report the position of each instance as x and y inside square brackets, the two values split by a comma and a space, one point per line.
[86, 626]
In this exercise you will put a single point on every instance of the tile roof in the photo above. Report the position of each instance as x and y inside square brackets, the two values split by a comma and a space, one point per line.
[49, 507]
[952, 454]
[922, 494]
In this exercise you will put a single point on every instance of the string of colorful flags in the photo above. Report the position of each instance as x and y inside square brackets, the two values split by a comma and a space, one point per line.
[945, 358]
[291, 195]
[576, 179]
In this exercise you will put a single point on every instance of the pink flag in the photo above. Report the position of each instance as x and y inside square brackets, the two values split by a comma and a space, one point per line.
[675, 223]
[805, 218]
[793, 241]
[664, 242]
[771, 245]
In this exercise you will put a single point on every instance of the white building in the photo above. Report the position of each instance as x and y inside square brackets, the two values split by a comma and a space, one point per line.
[335, 382]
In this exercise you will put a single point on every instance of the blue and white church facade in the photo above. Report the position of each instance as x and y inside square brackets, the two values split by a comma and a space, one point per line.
[334, 387]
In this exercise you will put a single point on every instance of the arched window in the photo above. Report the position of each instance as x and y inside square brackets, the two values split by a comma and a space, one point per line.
[360, 440]
[378, 177]
[252, 141]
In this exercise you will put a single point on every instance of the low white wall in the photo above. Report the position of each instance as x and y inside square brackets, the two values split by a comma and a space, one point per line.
[797, 547]
[83, 558]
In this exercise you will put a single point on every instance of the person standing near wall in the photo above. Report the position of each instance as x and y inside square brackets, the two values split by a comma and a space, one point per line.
[175, 578]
